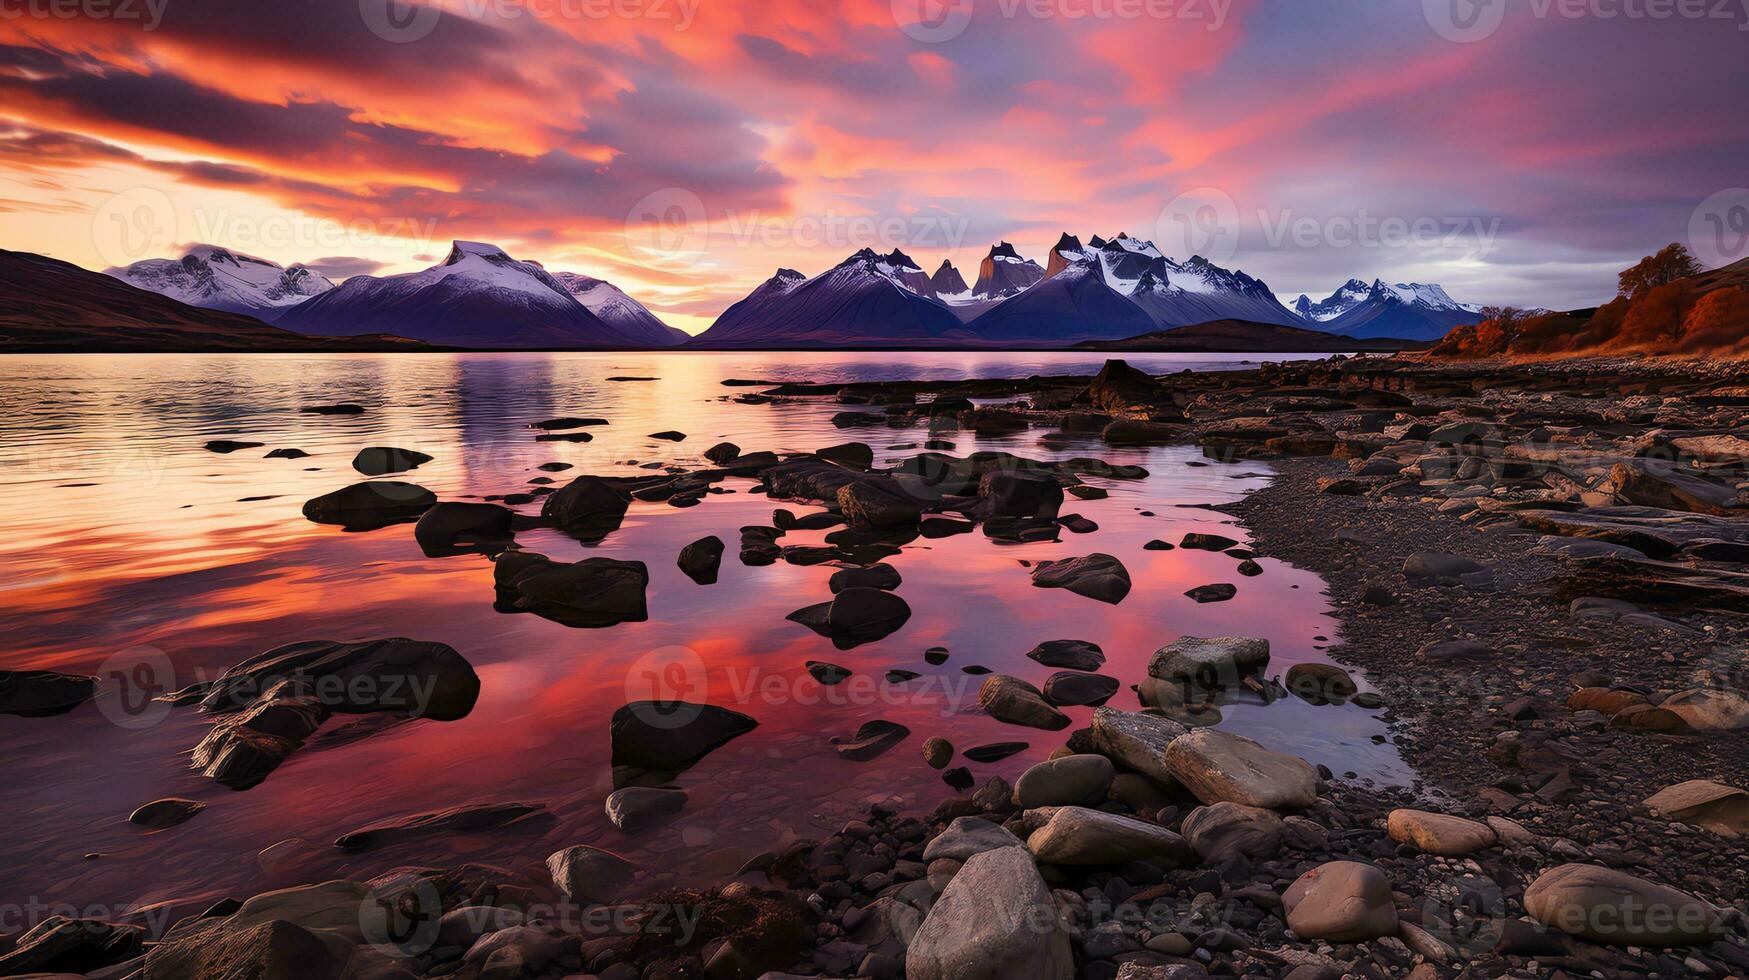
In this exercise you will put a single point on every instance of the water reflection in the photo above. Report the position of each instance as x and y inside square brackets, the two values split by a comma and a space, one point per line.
[206, 560]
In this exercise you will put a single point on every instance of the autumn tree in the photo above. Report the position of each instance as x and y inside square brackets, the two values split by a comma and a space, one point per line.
[1670, 264]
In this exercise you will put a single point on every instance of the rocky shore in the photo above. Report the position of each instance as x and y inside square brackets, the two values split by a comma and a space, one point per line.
[1540, 570]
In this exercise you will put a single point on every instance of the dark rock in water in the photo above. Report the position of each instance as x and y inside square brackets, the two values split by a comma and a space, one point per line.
[566, 422]
[856, 616]
[1138, 432]
[588, 508]
[854, 454]
[759, 545]
[784, 520]
[165, 813]
[592, 593]
[1219, 592]
[935, 656]
[1206, 542]
[344, 408]
[223, 446]
[879, 576]
[1249, 568]
[243, 749]
[995, 751]
[472, 819]
[943, 527]
[415, 677]
[1320, 683]
[702, 559]
[379, 460]
[61, 945]
[1018, 495]
[1069, 654]
[974, 669]
[287, 453]
[1016, 702]
[1119, 388]
[877, 504]
[1076, 524]
[1158, 545]
[671, 736]
[371, 505]
[453, 528]
[669, 436]
[828, 674]
[1096, 576]
[722, 452]
[855, 420]
[41, 693]
[959, 778]
[555, 467]
[897, 676]
[872, 740]
[565, 437]
[638, 808]
[937, 752]
[1069, 687]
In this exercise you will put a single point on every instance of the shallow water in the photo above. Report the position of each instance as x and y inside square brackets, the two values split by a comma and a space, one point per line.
[127, 544]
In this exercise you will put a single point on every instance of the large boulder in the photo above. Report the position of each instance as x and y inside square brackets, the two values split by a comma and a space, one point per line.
[669, 736]
[370, 505]
[1069, 780]
[59, 944]
[40, 693]
[1709, 709]
[995, 921]
[1439, 833]
[414, 677]
[1119, 389]
[967, 836]
[267, 950]
[1619, 909]
[872, 504]
[1078, 836]
[1136, 740]
[588, 508]
[1223, 831]
[592, 593]
[702, 559]
[1342, 902]
[1221, 767]
[1722, 809]
[1096, 576]
[589, 874]
[1016, 702]
[1032, 496]
[1210, 663]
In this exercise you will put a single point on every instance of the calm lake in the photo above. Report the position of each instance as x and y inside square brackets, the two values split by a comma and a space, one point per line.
[127, 543]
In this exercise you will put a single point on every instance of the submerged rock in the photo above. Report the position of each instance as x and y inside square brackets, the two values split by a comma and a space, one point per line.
[165, 813]
[451, 528]
[637, 808]
[671, 736]
[1096, 576]
[589, 594]
[41, 693]
[472, 819]
[370, 505]
[380, 460]
[871, 741]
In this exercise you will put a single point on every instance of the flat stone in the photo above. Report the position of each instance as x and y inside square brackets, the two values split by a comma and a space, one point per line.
[1713, 806]
[1439, 833]
[1072, 779]
[1136, 740]
[1078, 836]
[1709, 709]
[1069, 654]
[160, 814]
[1016, 702]
[1221, 767]
[1222, 831]
[1618, 909]
[1068, 687]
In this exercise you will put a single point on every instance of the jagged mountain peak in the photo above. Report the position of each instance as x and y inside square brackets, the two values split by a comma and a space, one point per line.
[217, 278]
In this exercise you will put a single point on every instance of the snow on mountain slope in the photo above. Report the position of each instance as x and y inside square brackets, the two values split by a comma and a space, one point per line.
[620, 311]
[1349, 295]
[217, 278]
[866, 300]
[1403, 311]
[478, 297]
[1004, 272]
[1075, 304]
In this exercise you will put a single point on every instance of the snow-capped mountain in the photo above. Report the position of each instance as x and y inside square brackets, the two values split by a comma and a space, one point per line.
[1075, 304]
[620, 311]
[217, 278]
[1403, 311]
[867, 300]
[1004, 272]
[1198, 291]
[1351, 294]
[947, 281]
[478, 297]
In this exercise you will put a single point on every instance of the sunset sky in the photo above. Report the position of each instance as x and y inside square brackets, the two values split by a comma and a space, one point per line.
[685, 149]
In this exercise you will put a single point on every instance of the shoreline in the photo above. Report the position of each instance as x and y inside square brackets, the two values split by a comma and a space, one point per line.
[1523, 681]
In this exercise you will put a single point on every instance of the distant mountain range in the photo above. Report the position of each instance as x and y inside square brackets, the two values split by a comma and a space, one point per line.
[51, 306]
[1106, 289]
